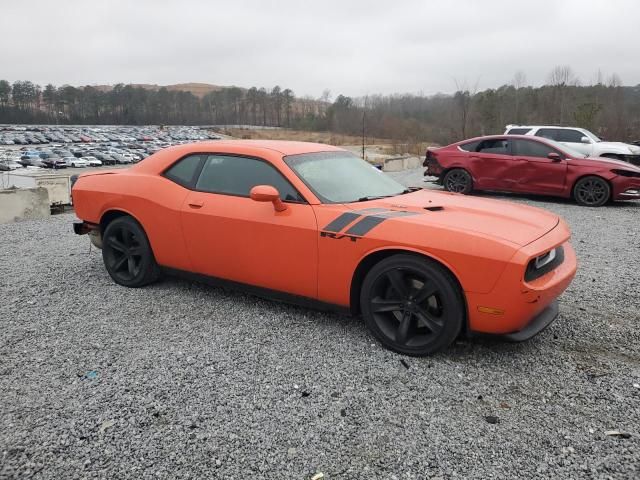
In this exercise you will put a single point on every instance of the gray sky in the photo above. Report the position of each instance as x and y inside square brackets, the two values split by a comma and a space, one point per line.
[349, 47]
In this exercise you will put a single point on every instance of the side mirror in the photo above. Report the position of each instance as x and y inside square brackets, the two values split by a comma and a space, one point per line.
[554, 156]
[267, 193]
[585, 140]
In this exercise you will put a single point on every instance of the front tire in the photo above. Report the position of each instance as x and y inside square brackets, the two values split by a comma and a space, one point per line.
[127, 254]
[591, 191]
[458, 180]
[412, 305]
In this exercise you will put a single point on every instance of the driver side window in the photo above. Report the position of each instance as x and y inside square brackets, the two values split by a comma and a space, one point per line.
[531, 148]
[570, 136]
[235, 175]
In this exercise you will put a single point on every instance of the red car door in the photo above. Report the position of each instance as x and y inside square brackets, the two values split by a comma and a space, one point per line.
[540, 174]
[230, 236]
[492, 165]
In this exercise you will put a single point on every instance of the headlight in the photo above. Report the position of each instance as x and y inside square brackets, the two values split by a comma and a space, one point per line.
[626, 173]
[544, 263]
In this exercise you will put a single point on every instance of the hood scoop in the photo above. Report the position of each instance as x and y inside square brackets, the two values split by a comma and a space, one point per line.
[434, 208]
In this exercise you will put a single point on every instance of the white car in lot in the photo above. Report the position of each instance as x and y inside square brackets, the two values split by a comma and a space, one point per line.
[93, 161]
[76, 162]
[581, 140]
[9, 165]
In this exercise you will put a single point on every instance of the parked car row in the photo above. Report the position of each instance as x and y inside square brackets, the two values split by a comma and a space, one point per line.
[43, 134]
[110, 146]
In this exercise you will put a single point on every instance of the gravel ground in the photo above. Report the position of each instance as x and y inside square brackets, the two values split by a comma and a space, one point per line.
[181, 380]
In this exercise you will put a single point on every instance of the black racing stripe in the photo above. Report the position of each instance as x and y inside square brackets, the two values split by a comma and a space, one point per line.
[365, 225]
[342, 221]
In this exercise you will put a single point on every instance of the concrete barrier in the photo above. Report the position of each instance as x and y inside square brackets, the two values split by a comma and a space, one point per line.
[401, 163]
[412, 162]
[393, 164]
[24, 204]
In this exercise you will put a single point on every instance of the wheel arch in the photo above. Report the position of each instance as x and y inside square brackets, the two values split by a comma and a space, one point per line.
[575, 182]
[373, 257]
[111, 214]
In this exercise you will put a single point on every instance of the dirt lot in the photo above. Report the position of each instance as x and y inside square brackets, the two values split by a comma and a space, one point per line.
[181, 380]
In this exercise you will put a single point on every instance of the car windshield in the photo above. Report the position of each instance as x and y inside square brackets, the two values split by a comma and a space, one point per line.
[592, 136]
[563, 148]
[342, 177]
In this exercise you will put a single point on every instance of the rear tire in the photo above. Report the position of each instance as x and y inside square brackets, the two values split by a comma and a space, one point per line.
[458, 180]
[412, 305]
[591, 191]
[127, 254]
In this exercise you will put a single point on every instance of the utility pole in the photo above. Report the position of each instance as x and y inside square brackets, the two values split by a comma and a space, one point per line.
[364, 116]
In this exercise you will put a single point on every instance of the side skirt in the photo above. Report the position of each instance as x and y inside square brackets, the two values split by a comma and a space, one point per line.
[261, 292]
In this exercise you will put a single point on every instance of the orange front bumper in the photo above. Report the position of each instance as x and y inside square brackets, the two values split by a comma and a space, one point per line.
[514, 305]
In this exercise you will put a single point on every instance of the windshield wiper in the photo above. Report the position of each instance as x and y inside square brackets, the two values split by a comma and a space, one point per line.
[373, 197]
[409, 190]
[378, 197]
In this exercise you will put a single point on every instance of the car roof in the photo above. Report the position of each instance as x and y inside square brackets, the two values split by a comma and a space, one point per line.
[267, 149]
[285, 147]
[543, 126]
[491, 137]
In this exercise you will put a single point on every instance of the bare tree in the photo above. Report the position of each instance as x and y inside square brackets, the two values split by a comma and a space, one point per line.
[614, 81]
[463, 99]
[519, 81]
[562, 77]
[325, 100]
[616, 124]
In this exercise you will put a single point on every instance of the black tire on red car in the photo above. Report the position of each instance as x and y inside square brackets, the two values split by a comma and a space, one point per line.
[412, 305]
[591, 191]
[458, 180]
[127, 254]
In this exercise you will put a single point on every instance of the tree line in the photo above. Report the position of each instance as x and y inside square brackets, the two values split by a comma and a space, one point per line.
[26, 102]
[604, 106]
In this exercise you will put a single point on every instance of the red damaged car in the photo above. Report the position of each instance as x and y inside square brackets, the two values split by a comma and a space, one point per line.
[525, 164]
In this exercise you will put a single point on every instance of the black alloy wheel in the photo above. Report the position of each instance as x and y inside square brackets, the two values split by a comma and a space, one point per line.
[591, 191]
[127, 254]
[458, 181]
[412, 305]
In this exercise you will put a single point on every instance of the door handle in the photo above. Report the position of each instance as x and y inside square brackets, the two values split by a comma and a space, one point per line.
[196, 203]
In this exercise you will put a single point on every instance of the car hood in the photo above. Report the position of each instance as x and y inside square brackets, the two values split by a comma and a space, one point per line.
[619, 147]
[604, 163]
[516, 224]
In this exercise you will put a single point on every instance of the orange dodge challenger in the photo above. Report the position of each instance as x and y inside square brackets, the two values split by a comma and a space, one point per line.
[314, 224]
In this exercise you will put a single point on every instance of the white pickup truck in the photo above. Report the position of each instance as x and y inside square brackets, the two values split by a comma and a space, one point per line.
[581, 140]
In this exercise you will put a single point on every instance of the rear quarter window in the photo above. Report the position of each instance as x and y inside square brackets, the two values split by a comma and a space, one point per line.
[494, 146]
[184, 171]
[469, 146]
